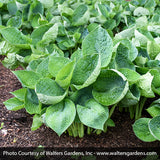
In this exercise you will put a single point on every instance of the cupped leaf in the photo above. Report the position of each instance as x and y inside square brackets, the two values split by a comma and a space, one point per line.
[86, 71]
[54, 50]
[152, 64]
[132, 51]
[122, 57]
[144, 83]
[60, 116]
[155, 82]
[10, 61]
[140, 38]
[32, 104]
[50, 35]
[92, 26]
[103, 10]
[27, 78]
[49, 92]
[15, 37]
[99, 41]
[140, 11]
[93, 114]
[56, 64]
[127, 33]
[64, 76]
[38, 33]
[81, 96]
[110, 123]
[15, 22]
[110, 87]
[154, 127]
[37, 122]
[141, 22]
[80, 15]
[154, 110]
[20, 93]
[131, 75]
[132, 97]
[153, 49]
[14, 104]
[65, 10]
[141, 130]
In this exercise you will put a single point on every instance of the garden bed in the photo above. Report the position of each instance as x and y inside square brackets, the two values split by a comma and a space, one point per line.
[16, 131]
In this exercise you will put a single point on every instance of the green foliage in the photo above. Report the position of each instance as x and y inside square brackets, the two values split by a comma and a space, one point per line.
[141, 130]
[60, 116]
[81, 60]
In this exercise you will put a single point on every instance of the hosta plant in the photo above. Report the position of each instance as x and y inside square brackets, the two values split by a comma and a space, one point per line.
[82, 60]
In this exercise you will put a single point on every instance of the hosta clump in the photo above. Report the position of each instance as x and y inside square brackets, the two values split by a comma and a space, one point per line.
[68, 93]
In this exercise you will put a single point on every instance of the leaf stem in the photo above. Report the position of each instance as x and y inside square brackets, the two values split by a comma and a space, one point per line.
[112, 110]
[142, 103]
[131, 111]
[89, 130]
[136, 111]
[98, 131]
[80, 129]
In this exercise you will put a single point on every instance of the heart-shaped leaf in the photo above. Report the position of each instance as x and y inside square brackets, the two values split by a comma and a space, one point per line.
[144, 83]
[141, 130]
[110, 87]
[93, 114]
[99, 41]
[86, 71]
[49, 92]
[60, 116]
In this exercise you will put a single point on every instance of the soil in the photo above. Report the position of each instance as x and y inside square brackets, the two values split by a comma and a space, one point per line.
[16, 131]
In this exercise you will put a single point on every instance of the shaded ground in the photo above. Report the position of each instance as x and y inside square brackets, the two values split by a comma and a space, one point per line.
[16, 130]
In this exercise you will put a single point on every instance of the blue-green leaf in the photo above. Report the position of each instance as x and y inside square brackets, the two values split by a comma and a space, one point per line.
[141, 130]
[56, 64]
[14, 104]
[32, 104]
[15, 37]
[27, 78]
[80, 15]
[49, 92]
[60, 116]
[93, 114]
[154, 127]
[99, 41]
[20, 93]
[111, 86]
[86, 71]
[37, 122]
